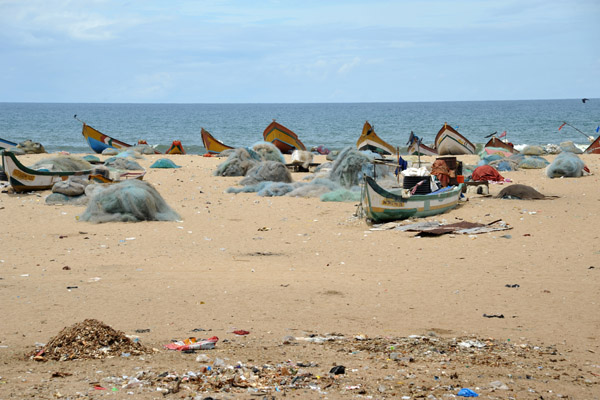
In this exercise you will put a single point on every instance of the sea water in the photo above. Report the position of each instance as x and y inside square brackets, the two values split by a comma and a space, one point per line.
[333, 125]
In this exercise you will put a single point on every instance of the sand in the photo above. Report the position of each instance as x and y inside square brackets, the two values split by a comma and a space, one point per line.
[294, 267]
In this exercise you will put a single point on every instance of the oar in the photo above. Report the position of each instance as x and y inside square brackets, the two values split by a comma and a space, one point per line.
[590, 138]
[490, 135]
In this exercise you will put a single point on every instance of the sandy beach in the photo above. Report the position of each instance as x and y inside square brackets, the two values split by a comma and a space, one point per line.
[294, 267]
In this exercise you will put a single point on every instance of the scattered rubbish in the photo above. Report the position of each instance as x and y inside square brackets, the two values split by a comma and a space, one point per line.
[472, 343]
[59, 374]
[193, 344]
[142, 330]
[467, 393]
[66, 268]
[516, 285]
[241, 332]
[435, 228]
[338, 370]
[72, 287]
[493, 315]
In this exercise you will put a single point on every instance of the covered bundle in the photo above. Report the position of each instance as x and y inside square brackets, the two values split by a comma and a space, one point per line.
[566, 165]
[128, 201]
[62, 164]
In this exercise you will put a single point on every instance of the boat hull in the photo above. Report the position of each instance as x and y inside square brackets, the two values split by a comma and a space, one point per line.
[416, 148]
[381, 205]
[24, 179]
[449, 142]
[369, 141]
[593, 148]
[212, 145]
[283, 138]
[99, 142]
[497, 143]
[6, 144]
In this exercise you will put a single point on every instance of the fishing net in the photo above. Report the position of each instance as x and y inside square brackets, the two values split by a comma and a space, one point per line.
[314, 188]
[60, 199]
[348, 167]
[238, 163]
[143, 149]
[123, 164]
[74, 186]
[272, 171]
[341, 195]
[91, 158]
[62, 164]
[268, 152]
[565, 165]
[30, 147]
[164, 163]
[275, 189]
[109, 151]
[505, 165]
[128, 201]
[532, 151]
[570, 147]
[529, 162]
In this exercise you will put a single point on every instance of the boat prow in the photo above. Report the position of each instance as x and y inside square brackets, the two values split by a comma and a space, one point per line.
[381, 205]
[176, 148]
[449, 142]
[415, 147]
[283, 138]
[211, 144]
[98, 141]
[499, 144]
[369, 141]
[6, 143]
[593, 148]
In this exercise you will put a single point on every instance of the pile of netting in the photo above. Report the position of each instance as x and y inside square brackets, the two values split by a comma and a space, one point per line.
[513, 162]
[128, 201]
[333, 181]
[62, 163]
[238, 163]
[566, 165]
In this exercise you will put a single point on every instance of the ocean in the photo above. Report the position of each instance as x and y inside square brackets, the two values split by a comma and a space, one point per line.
[333, 125]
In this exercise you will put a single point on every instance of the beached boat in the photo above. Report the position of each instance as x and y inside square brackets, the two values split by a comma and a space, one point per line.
[415, 147]
[212, 145]
[25, 179]
[593, 148]
[99, 141]
[176, 148]
[381, 205]
[283, 138]
[449, 142]
[368, 140]
[6, 144]
[499, 144]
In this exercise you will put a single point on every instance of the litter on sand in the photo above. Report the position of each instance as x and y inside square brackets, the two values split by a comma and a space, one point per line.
[193, 344]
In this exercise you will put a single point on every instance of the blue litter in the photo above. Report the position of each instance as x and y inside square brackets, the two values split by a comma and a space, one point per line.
[467, 393]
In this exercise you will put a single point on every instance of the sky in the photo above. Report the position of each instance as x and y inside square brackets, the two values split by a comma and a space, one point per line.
[305, 51]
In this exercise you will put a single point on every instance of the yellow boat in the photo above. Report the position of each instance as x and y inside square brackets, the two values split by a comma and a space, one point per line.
[212, 145]
[369, 140]
[283, 138]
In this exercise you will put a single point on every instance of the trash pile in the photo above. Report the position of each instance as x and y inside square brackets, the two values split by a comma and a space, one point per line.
[89, 339]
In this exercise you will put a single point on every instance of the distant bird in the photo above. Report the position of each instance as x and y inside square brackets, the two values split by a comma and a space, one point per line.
[584, 100]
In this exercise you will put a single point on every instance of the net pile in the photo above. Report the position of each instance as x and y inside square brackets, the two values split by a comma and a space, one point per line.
[128, 201]
[566, 165]
[62, 164]
[89, 339]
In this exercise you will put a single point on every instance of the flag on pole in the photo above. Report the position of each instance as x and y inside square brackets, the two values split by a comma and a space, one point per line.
[560, 127]
[502, 135]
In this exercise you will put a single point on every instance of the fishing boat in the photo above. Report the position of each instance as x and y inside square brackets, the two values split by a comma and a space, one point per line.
[283, 138]
[381, 205]
[6, 143]
[368, 140]
[99, 141]
[593, 148]
[25, 179]
[496, 143]
[176, 148]
[415, 147]
[449, 142]
[212, 145]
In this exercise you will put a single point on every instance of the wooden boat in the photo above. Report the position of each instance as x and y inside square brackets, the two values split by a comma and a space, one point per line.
[6, 144]
[369, 140]
[381, 205]
[449, 142]
[415, 147]
[176, 148]
[99, 141]
[283, 138]
[212, 145]
[499, 144]
[25, 179]
[593, 148]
